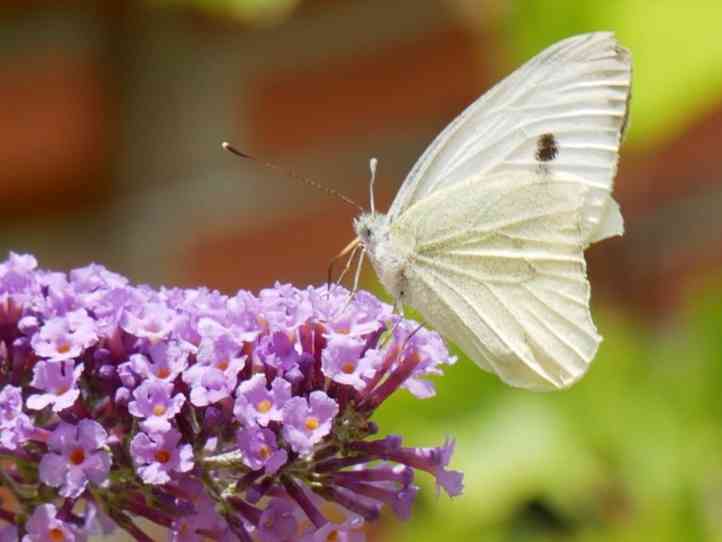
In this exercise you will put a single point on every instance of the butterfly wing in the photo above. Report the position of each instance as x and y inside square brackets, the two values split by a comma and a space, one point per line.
[563, 112]
[497, 267]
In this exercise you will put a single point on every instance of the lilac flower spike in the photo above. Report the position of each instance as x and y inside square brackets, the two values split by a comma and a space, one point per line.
[219, 418]
[75, 457]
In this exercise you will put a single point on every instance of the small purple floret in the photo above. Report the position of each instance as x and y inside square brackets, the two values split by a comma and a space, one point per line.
[260, 449]
[345, 362]
[164, 361]
[15, 425]
[58, 379]
[256, 404]
[158, 455]
[75, 457]
[306, 422]
[153, 403]
[44, 526]
[65, 337]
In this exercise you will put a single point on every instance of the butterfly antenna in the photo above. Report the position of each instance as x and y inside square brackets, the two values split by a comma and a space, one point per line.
[330, 191]
[372, 166]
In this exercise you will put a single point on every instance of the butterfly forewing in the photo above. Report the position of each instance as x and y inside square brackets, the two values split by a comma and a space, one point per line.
[563, 112]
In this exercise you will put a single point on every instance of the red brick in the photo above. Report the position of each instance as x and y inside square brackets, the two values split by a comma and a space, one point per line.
[391, 90]
[55, 133]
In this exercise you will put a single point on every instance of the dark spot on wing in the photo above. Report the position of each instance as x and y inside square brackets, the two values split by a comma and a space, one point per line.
[546, 148]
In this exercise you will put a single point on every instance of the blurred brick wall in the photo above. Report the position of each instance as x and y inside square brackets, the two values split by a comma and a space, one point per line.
[53, 134]
[318, 95]
[393, 93]
[112, 120]
[59, 124]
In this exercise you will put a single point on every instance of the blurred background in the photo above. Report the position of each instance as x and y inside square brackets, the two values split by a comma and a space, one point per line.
[111, 119]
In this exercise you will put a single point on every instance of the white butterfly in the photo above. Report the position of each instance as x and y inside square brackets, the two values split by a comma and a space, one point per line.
[486, 236]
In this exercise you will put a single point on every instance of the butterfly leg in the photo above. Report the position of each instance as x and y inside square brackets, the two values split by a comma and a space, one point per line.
[357, 276]
[352, 247]
[349, 261]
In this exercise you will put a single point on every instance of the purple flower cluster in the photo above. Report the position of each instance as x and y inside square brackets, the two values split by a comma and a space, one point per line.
[229, 418]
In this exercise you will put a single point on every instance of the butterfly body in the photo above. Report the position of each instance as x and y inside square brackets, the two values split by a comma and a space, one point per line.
[486, 235]
[389, 249]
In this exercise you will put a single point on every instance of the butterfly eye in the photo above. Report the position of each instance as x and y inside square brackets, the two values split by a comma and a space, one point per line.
[366, 232]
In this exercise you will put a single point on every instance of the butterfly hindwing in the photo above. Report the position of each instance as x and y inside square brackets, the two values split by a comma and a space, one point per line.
[502, 274]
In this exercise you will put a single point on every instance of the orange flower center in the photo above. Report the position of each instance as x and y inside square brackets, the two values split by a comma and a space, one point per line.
[311, 423]
[77, 456]
[263, 406]
[223, 364]
[63, 348]
[332, 536]
[56, 535]
[264, 452]
[62, 389]
[348, 367]
[162, 456]
[162, 372]
[159, 409]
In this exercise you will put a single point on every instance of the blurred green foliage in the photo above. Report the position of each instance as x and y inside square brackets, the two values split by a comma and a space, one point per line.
[631, 453]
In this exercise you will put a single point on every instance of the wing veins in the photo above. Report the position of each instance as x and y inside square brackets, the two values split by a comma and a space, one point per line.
[518, 237]
[559, 314]
[541, 346]
[561, 276]
[510, 255]
[533, 366]
[425, 247]
[489, 359]
[567, 297]
[530, 364]
[454, 269]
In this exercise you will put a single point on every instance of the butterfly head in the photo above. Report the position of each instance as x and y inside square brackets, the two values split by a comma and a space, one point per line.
[370, 228]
